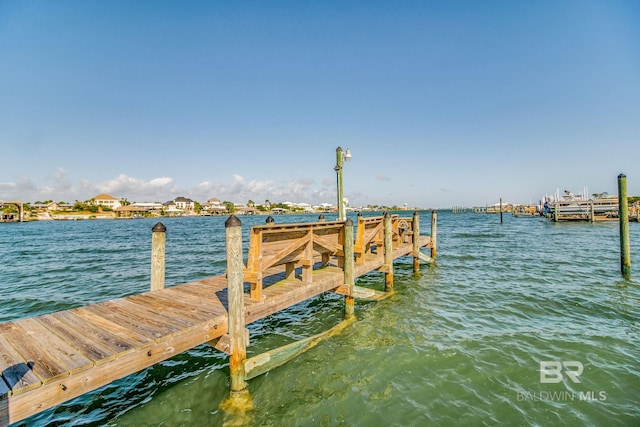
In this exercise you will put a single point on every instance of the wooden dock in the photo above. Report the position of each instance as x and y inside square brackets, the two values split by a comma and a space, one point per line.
[50, 359]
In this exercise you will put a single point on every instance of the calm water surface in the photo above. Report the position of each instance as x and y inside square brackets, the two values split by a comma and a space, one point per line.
[458, 344]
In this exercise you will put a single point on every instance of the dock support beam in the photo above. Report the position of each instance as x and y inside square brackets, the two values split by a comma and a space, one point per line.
[434, 231]
[348, 269]
[388, 252]
[158, 244]
[237, 335]
[623, 213]
[416, 244]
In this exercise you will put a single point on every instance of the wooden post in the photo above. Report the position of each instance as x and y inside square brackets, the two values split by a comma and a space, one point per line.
[500, 210]
[348, 268]
[434, 230]
[416, 243]
[592, 211]
[338, 169]
[388, 252]
[235, 289]
[623, 209]
[158, 244]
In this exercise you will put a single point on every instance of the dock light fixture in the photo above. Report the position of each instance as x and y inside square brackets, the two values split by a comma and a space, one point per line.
[341, 157]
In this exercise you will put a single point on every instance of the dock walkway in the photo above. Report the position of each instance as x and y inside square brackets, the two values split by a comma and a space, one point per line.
[52, 358]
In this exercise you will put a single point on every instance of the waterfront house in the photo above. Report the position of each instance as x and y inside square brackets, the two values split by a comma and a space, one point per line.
[214, 206]
[184, 204]
[106, 200]
[171, 209]
[242, 209]
[45, 207]
[131, 211]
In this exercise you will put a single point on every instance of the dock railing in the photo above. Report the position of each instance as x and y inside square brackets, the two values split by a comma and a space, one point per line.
[313, 244]
[291, 245]
[369, 237]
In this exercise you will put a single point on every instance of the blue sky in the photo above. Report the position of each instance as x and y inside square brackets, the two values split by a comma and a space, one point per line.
[441, 102]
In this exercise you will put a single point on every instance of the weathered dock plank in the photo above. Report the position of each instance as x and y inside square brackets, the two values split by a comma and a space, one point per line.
[210, 303]
[133, 338]
[46, 367]
[175, 304]
[94, 351]
[69, 357]
[157, 310]
[56, 392]
[94, 334]
[129, 319]
[16, 371]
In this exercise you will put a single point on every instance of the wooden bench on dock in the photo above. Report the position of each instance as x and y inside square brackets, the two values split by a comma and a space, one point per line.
[52, 358]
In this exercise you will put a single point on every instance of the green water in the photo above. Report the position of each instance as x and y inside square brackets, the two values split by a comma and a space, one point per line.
[461, 343]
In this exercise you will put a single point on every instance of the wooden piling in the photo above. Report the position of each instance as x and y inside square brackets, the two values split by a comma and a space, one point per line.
[500, 210]
[235, 289]
[338, 169]
[388, 252]
[158, 244]
[348, 268]
[416, 238]
[434, 226]
[623, 213]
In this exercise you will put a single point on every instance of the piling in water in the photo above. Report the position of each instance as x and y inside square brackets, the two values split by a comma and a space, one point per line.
[348, 268]
[416, 246]
[237, 334]
[434, 225]
[623, 213]
[158, 243]
[388, 252]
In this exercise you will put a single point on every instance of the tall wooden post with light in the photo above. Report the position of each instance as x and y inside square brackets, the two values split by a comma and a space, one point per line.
[340, 159]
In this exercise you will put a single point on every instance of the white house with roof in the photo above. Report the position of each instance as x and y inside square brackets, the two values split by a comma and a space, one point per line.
[106, 200]
[214, 206]
[180, 204]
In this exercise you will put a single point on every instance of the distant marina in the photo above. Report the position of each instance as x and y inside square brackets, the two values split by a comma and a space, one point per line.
[559, 207]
